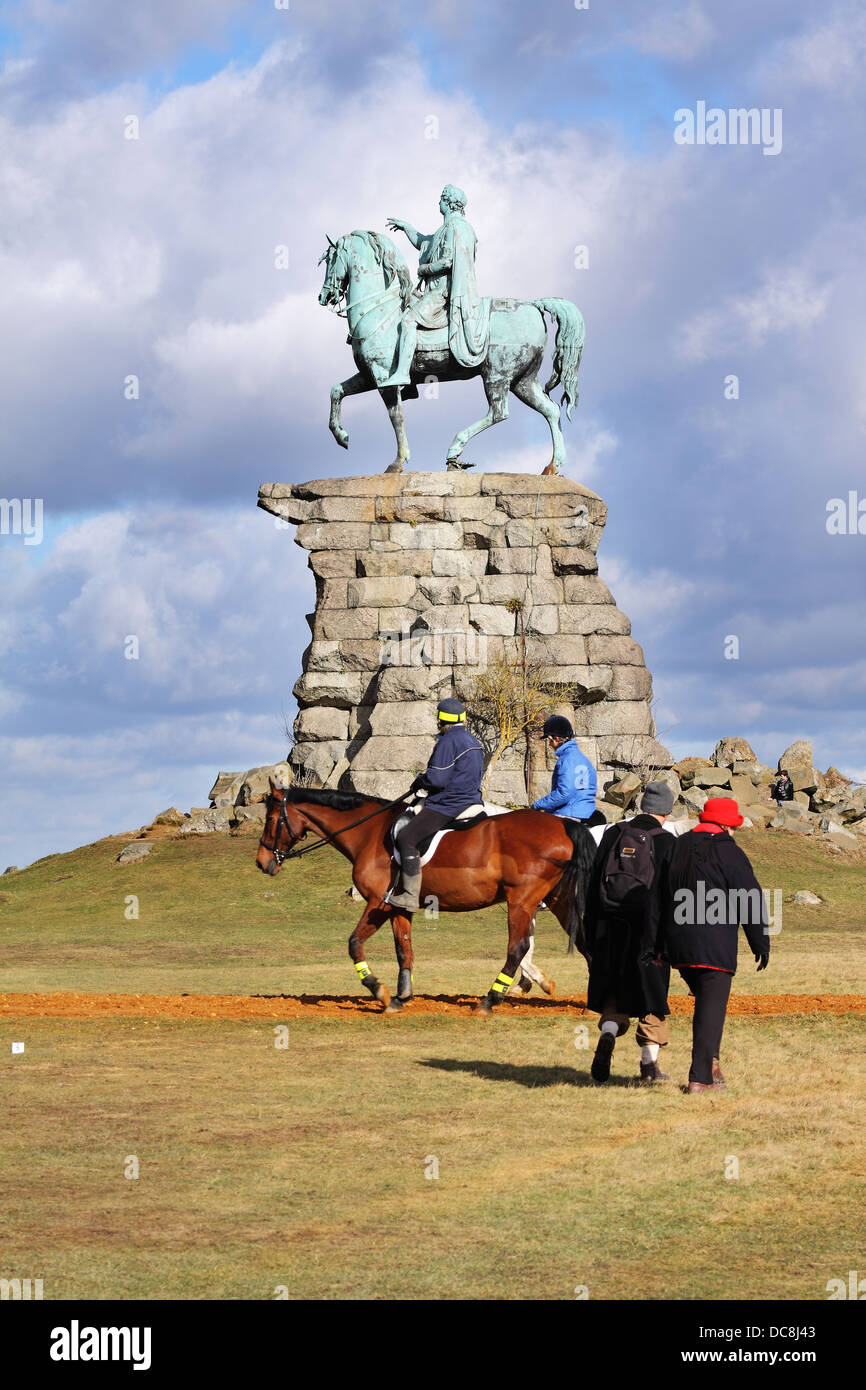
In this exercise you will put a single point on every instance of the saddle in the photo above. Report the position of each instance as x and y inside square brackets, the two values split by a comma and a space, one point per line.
[428, 846]
[436, 339]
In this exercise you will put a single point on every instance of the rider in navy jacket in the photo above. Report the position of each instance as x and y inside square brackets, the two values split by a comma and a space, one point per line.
[453, 779]
[453, 774]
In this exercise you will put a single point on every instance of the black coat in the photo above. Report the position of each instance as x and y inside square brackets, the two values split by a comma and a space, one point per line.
[707, 888]
[616, 945]
[784, 790]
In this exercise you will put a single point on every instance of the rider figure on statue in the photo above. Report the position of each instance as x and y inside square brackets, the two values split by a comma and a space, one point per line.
[453, 779]
[450, 299]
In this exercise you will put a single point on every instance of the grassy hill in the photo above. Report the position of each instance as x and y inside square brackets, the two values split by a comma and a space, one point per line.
[209, 921]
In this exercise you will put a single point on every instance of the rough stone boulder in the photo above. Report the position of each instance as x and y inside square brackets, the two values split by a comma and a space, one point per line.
[798, 754]
[624, 792]
[834, 779]
[134, 853]
[733, 750]
[170, 817]
[686, 767]
[422, 581]
[205, 822]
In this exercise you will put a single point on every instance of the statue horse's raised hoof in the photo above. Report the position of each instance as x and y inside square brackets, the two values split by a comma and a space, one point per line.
[457, 465]
[394, 467]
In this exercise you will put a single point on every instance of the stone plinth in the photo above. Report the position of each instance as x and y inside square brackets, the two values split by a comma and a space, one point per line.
[422, 579]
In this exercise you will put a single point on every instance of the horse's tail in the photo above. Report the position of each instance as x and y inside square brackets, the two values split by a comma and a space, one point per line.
[568, 348]
[575, 882]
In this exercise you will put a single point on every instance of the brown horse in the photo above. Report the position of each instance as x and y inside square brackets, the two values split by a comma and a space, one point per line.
[521, 859]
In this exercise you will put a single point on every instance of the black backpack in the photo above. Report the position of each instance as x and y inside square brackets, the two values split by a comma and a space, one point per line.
[628, 870]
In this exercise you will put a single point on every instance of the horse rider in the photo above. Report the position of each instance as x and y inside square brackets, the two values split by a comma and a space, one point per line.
[574, 777]
[450, 297]
[453, 779]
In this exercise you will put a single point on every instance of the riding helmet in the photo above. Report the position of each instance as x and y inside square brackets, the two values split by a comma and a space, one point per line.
[557, 726]
[451, 712]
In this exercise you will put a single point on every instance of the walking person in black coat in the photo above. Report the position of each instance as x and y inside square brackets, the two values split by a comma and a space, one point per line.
[622, 985]
[707, 888]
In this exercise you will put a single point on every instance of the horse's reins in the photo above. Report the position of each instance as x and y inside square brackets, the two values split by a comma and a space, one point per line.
[282, 819]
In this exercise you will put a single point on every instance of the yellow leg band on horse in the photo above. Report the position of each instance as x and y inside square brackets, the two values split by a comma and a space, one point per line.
[506, 979]
[362, 968]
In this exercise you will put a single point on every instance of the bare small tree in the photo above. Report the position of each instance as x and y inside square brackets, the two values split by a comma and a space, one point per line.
[505, 700]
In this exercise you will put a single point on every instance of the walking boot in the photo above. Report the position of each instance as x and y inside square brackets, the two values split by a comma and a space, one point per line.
[408, 899]
[696, 1088]
[600, 1069]
[651, 1071]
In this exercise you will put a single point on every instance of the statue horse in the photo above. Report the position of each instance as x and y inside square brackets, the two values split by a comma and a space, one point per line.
[366, 272]
[521, 858]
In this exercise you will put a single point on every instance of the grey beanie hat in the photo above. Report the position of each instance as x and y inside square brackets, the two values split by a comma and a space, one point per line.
[657, 800]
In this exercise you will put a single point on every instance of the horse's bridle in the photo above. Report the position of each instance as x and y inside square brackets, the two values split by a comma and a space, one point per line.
[327, 839]
[333, 286]
[281, 854]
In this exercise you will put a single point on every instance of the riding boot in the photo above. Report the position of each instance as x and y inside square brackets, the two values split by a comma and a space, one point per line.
[401, 374]
[408, 899]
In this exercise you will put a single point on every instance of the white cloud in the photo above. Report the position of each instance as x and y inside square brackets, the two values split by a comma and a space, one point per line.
[680, 35]
[788, 300]
[828, 57]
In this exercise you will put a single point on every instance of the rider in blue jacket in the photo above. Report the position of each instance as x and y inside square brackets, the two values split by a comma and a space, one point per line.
[453, 780]
[574, 777]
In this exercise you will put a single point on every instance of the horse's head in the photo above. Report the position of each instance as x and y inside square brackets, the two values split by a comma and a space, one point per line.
[357, 255]
[284, 826]
[336, 272]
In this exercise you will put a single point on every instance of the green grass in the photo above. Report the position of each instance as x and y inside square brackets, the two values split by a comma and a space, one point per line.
[210, 922]
[306, 1167]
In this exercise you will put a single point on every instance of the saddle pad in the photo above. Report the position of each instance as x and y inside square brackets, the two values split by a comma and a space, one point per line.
[464, 821]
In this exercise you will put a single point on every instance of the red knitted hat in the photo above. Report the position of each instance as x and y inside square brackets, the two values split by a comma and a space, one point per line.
[721, 810]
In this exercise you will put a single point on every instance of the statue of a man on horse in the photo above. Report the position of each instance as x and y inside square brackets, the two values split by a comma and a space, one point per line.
[443, 330]
[448, 297]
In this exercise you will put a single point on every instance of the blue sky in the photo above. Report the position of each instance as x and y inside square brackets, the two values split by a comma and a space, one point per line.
[259, 128]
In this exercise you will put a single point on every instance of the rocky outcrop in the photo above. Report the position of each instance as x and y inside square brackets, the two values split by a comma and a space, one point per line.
[424, 579]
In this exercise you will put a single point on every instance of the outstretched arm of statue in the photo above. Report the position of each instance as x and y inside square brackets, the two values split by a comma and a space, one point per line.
[396, 224]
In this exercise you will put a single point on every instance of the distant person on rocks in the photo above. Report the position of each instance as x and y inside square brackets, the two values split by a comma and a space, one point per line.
[625, 981]
[783, 789]
[574, 777]
[708, 887]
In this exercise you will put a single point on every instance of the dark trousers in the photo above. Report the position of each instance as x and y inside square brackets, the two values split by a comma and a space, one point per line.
[711, 989]
[420, 827]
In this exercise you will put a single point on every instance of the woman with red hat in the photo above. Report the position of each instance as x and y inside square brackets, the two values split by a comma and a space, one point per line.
[707, 888]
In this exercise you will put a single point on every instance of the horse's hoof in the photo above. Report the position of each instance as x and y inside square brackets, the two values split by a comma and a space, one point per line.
[548, 986]
[519, 991]
[395, 1006]
[457, 464]
[551, 468]
[484, 1007]
[383, 995]
[395, 467]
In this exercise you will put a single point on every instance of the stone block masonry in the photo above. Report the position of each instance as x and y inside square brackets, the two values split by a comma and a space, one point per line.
[421, 579]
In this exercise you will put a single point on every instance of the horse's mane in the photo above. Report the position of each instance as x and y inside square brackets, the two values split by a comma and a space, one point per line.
[338, 801]
[391, 261]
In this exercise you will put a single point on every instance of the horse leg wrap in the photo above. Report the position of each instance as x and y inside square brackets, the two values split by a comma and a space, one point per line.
[366, 976]
[404, 984]
[502, 983]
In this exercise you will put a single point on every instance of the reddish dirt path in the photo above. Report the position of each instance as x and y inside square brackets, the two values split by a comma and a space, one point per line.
[351, 1006]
